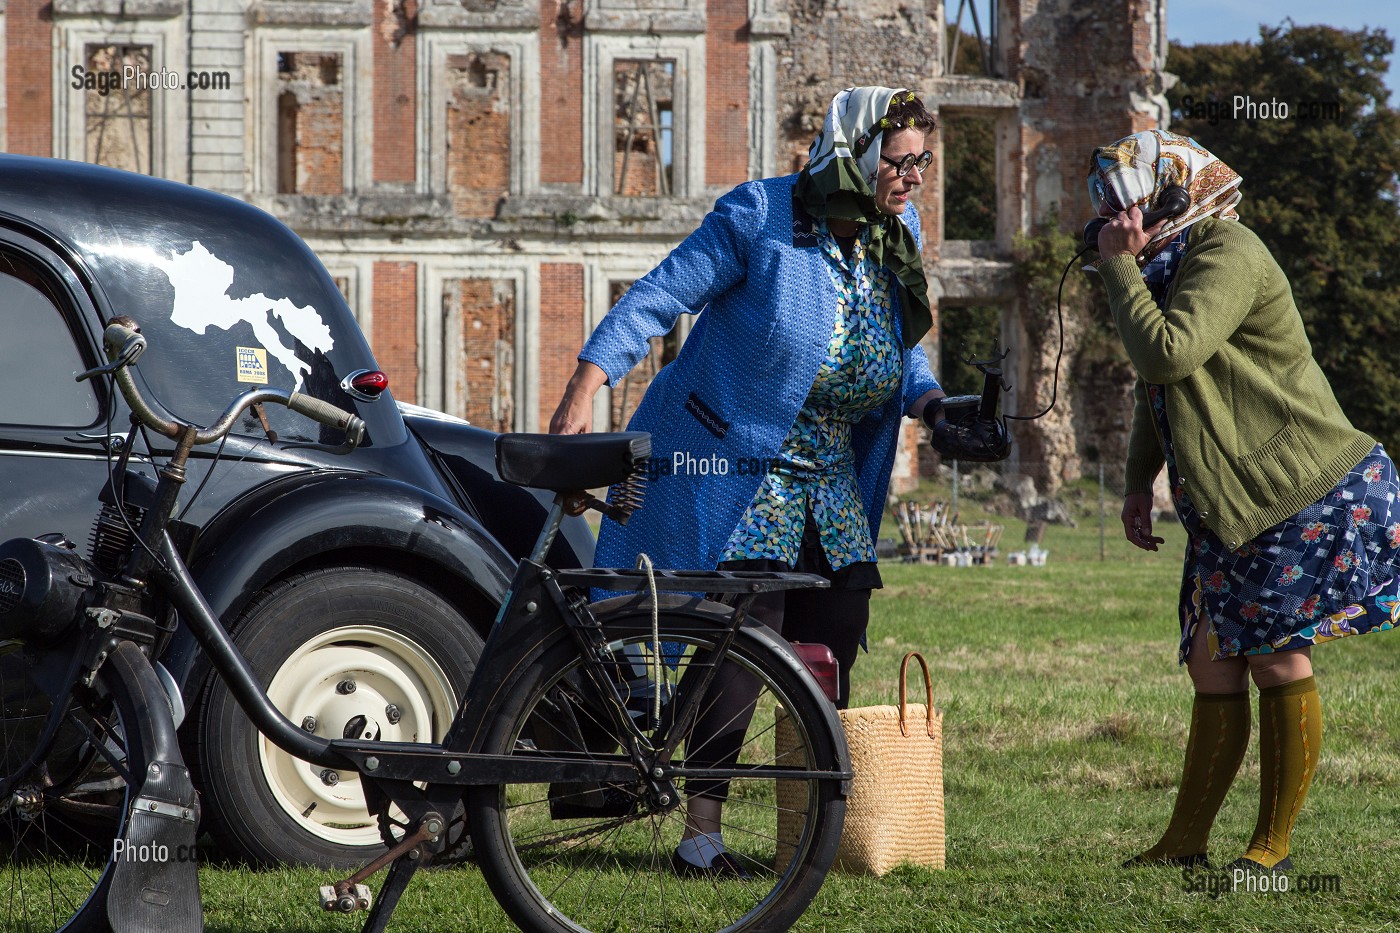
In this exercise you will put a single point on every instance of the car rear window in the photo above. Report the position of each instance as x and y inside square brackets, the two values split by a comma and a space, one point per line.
[38, 357]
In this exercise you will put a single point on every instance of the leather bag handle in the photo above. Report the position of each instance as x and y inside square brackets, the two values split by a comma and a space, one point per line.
[904, 694]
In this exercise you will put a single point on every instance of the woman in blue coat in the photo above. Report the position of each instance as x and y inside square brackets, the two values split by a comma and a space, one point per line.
[774, 430]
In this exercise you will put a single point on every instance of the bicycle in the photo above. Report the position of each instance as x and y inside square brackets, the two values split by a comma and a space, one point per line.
[564, 773]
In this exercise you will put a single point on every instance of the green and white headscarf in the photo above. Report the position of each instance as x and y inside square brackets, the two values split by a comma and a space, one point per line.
[839, 182]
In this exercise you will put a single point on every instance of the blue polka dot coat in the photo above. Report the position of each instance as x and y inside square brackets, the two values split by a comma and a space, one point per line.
[718, 413]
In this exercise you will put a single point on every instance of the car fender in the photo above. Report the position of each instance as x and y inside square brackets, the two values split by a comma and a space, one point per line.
[322, 517]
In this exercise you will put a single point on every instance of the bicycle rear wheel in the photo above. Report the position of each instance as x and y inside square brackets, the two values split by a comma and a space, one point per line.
[60, 821]
[565, 858]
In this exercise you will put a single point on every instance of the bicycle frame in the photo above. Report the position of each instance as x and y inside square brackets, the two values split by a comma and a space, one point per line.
[422, 779]
[536, 602]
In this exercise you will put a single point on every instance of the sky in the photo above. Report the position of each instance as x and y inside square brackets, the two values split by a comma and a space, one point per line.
[1194, 21]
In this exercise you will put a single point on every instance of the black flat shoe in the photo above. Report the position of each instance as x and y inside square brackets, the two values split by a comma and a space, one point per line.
[1285, 864]
[1200, 860]
[725, 866]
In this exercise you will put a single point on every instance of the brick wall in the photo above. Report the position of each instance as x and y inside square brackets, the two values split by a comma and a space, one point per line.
[478, 132]
[310, 124]
[485, 309]
[29, 82]
[395, 91]
[561, 92]
[395, 337]
[561, 331]
[727, 92]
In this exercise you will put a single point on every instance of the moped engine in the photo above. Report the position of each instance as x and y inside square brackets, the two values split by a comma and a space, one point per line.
[43, 589]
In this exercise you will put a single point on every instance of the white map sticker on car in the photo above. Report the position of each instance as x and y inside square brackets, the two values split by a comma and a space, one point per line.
[201, 281]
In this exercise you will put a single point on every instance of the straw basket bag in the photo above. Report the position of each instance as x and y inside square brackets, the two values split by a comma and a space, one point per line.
[895, 811]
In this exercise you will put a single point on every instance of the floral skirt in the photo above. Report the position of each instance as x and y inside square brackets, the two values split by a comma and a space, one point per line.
[1330, 571]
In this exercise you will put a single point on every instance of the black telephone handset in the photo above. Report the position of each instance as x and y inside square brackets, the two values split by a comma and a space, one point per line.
[971, 428]
[1173, 202]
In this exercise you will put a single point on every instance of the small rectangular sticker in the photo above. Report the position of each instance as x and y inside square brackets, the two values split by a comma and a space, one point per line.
[252, 365]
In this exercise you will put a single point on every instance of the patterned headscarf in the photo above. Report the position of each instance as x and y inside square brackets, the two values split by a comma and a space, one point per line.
[1135, 169]
[839, 182]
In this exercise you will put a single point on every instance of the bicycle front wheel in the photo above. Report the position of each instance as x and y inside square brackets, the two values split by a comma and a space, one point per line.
[570, 857]
[63, 816]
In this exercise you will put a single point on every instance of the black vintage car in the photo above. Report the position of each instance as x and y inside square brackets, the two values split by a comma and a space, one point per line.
[358, 585]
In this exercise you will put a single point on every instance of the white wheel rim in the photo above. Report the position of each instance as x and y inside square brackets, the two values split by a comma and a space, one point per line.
[387, 668]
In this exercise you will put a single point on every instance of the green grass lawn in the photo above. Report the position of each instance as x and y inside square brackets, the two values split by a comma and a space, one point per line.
[1065, 719]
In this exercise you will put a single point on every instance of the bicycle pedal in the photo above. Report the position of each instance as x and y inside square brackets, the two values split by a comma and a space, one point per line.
[358, 897]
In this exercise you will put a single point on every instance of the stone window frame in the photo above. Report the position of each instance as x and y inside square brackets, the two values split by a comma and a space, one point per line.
[357, 112]
[170, 109]
[523, 50]
[601, 51]
[768, 27]
[437, 370]
[599, 274]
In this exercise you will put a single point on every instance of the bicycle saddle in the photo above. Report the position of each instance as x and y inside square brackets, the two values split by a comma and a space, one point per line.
[570, 462]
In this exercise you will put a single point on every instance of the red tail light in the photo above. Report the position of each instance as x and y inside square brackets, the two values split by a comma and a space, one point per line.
[821, 664]
[365, 384]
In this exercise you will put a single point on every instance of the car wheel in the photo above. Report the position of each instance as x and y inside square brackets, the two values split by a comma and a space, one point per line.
[344, 652]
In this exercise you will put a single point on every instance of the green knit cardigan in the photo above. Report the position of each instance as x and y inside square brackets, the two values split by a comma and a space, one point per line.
[1256, 431]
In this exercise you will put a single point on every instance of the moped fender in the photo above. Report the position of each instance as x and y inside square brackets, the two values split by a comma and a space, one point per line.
[155, 878]
[365, 517]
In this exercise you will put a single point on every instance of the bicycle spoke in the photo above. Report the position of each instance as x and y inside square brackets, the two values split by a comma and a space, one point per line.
[64, 813]
[613, 869]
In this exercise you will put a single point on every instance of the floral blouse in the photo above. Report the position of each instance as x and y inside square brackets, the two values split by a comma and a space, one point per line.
[815, 467]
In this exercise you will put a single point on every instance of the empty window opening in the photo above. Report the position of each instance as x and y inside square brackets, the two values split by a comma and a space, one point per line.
[969, 176]
[117, 110]
[970, 39]
[965, 332]
[643, 127]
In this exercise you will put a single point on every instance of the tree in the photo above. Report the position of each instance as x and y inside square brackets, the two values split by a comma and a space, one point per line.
[1320, 188]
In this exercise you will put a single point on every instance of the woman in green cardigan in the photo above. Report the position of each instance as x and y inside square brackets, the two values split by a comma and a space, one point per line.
[1292, 514]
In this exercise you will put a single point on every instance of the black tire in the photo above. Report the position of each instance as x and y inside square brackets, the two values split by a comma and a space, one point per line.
[400, 643]
[59, 825]
[568, 870]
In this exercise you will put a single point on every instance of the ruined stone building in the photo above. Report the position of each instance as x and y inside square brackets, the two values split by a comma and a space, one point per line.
[484, 178]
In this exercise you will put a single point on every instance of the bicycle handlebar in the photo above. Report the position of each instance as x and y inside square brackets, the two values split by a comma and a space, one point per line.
[123, 342]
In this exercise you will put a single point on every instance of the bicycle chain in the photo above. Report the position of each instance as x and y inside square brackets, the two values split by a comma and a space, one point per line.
[459, 848]
[590, 830]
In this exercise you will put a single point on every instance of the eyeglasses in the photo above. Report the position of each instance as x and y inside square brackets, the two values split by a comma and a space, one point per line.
[902, 167]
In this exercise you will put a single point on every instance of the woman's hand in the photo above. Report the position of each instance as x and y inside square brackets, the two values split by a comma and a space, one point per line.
[575, 412]
[1137, 520]
[921, 405]
[1124, 234]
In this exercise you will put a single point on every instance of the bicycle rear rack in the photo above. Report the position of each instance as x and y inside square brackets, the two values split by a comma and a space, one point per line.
[689, 581]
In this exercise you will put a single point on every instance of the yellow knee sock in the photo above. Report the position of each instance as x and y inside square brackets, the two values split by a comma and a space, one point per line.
[1290, 737]
[1214, 750]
